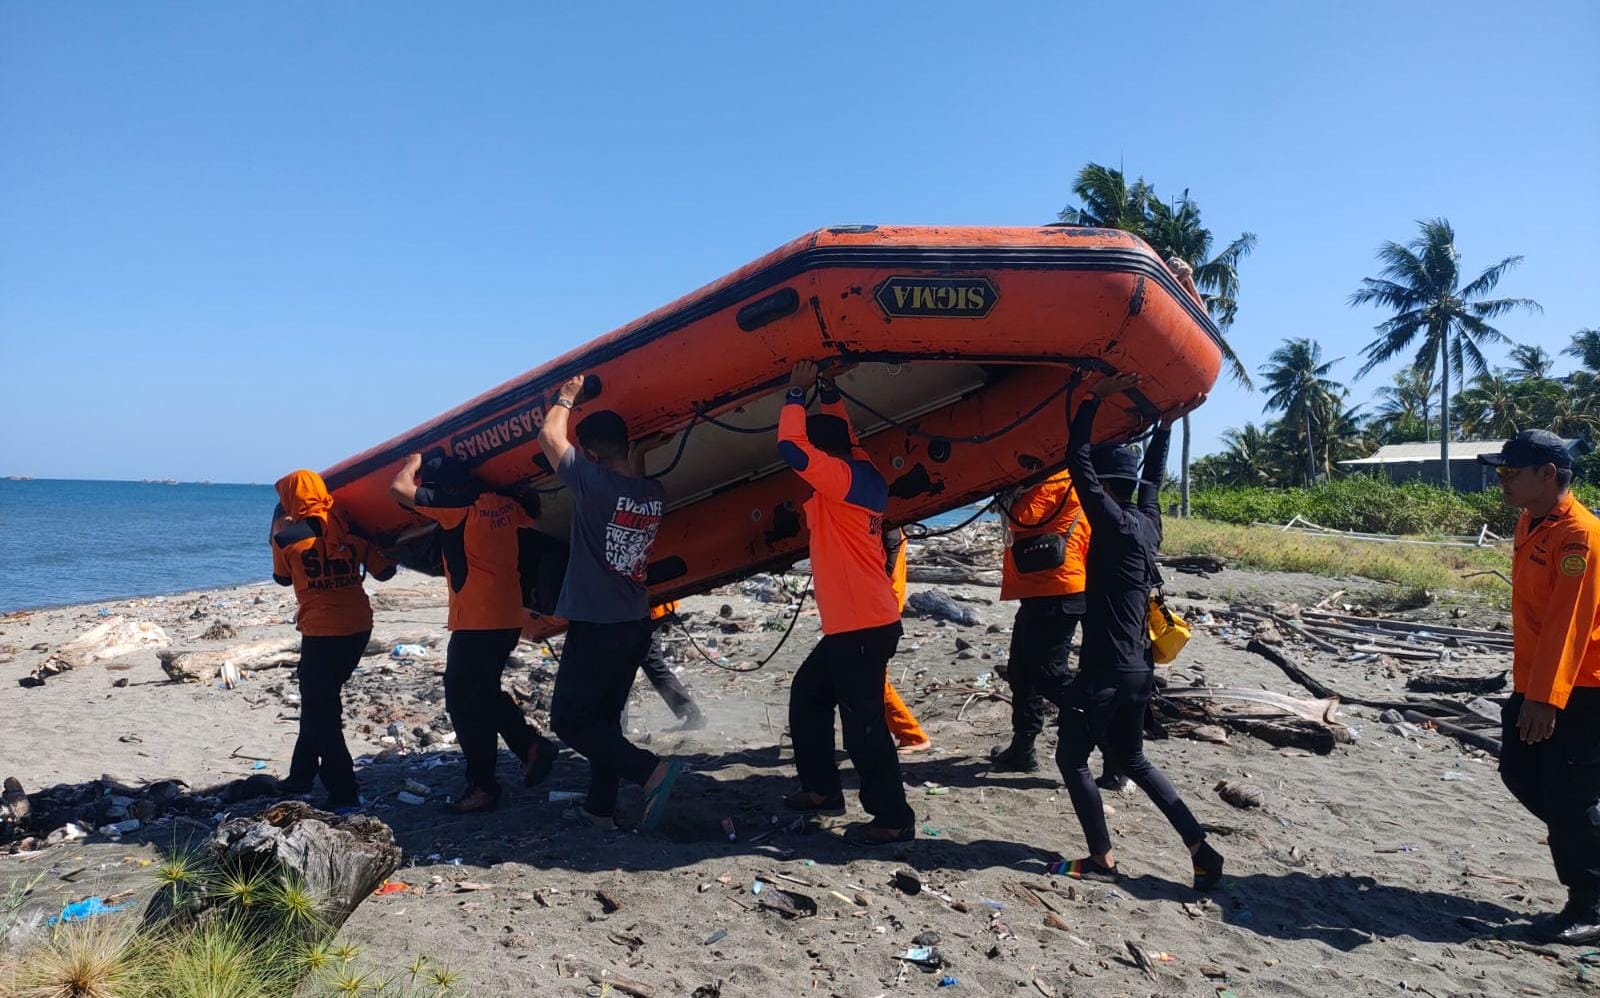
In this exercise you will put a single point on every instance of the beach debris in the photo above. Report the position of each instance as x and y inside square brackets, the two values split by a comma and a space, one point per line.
[574, 966]
[391, 887]
[203, 666]
[715, 937]
[927, 957]
[1428, 682]
[936, 605]
[341, 860]
[565, 796]
[229, 674]
[1240, 795]
[929, 938]
[407, 797]
[218, 631]
[90, 907]
[1141, 958]
[408, 651]
[608, 901]
[113, 639]
[908, 882]
[948, 981]
[16, 811]
[1055, 921]
[789, 904]
[727, 829]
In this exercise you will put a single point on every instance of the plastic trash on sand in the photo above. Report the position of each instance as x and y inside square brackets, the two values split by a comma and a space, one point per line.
[409, 651]
[89, 907]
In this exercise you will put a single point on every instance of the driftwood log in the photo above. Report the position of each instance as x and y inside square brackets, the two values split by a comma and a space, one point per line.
[111, 639]
[1432, 683]
[1456, 731]
[953, 575]
[340, 861]
[204, 666]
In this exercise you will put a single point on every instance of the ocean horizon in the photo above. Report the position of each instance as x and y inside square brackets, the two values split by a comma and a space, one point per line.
[65, 542]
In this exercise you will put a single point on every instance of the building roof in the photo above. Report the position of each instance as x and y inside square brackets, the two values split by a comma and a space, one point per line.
[1421, 453]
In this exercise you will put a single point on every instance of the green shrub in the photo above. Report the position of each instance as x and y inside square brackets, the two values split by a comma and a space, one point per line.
[1364, 503]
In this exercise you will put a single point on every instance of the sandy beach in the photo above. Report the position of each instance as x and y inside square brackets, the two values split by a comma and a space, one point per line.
[1396, 863]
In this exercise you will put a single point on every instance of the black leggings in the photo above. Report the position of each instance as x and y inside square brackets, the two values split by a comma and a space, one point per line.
[479, 708]
[325, 664]
[1107, 709]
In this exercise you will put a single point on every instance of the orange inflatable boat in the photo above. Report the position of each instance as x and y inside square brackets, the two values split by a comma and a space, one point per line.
[953, 347]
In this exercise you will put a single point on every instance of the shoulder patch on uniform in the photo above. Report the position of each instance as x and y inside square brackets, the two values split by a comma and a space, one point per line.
[1574, 564]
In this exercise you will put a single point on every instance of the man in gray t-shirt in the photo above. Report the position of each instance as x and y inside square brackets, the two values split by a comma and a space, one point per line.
[615, 514]
[614, 521]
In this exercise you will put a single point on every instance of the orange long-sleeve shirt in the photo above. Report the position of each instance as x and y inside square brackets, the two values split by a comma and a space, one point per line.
[1555, 603]
[1034, 505]
[845, 517]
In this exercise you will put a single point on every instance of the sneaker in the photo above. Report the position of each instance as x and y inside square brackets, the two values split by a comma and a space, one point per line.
[540, 761]
[1114, 782]
[1010, 760]
[475, 801]
[809, 803]
[1576, 925]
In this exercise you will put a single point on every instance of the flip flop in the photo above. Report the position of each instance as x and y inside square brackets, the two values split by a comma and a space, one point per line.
[655, 802]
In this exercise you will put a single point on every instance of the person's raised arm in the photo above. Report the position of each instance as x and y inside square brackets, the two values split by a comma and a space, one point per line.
[404, 486]
[1155, 469]
[553, 434]
[830, 476]
[833, 405]
[1103, 512]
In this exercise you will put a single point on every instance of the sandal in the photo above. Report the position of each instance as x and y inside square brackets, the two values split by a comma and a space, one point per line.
[1086, 869]
[871, 834]
[655, 801]
[475, 801]
[807, 802]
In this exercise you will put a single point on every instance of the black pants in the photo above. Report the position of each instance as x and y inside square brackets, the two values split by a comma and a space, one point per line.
[480, 710]
[325, 664]
[1037, 668]
[1559, 781]
[1107, 709]
[661, 676]
[598, 666]
[847, 671]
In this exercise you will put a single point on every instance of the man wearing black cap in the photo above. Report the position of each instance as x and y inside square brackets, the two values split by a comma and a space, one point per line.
[1105, 705]
[1550, 739]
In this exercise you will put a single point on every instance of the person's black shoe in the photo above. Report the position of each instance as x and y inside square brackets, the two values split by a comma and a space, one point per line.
[1010, 760]
[1112, 781]
[293, 788]
[1576, 925]
[694, 719]
[807, 802]
[1207, 867]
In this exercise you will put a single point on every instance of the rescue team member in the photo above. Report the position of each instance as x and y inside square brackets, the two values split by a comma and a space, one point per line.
[848, 669]
[478, 540]
[1550, 743]
[615, 514]
[314, 550]
[666, 682]
[903, 727]
[1043, 569]
[1105, 705]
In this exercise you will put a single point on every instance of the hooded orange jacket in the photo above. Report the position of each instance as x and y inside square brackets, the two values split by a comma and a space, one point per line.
[316, 552]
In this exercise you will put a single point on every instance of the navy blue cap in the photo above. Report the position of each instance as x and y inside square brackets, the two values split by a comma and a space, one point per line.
[1531, 449]
[1116, 462]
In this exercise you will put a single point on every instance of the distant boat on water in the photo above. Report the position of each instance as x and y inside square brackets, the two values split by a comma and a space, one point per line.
[19, 478]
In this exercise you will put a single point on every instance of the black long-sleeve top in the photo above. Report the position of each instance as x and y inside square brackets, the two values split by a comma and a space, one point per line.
[1123, 540]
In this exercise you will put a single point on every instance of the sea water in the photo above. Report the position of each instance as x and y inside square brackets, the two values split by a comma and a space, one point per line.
[65, 542]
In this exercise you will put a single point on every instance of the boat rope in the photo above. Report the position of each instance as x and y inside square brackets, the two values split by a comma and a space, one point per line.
[793, 620]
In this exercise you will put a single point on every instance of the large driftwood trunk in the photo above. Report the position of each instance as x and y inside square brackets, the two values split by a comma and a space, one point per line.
[203, 666]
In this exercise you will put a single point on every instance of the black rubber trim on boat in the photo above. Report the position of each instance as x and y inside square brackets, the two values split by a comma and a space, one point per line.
[1094, 259]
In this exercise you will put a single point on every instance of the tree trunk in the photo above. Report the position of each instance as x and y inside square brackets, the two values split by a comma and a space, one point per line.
[1444, 407]
[1183, 471]
[1311, 453]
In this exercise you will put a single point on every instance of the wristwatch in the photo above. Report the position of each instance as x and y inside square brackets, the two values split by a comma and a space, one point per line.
[564, 403]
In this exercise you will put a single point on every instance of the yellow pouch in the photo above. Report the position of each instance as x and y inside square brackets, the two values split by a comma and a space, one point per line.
[1169, 632]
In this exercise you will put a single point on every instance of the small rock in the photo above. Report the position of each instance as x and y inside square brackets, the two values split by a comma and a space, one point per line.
[1241, 795]
[962, 644]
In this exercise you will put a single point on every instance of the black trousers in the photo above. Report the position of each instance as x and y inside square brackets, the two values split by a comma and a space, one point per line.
[1037, 668]
[325, 665]
[598, 665]
[1107, 709]
[1559, 781]
[847, 671]
[479, 709]
[661, 676]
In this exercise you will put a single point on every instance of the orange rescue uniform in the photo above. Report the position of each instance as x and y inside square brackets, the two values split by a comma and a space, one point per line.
[480, 550]
[1034, 506]
[1555, 603]
[845, 516]
[326, 563]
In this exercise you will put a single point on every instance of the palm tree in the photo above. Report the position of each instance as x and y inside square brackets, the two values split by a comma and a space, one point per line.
[1172, 230]
[1247, 458]
[1108, 201]
[1406, 405]
[1586, 347]
[1344, 431]
[1421, 283]
[1492, 407]
[1297, 384]
[1531, 362]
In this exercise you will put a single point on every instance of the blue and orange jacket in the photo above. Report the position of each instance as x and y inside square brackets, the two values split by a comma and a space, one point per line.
[316, 552]
[845, 516]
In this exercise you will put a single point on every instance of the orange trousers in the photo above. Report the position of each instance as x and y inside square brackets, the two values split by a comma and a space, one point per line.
[902, 723]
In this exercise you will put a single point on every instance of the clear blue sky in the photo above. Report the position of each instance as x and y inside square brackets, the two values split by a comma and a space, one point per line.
[241, 238]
